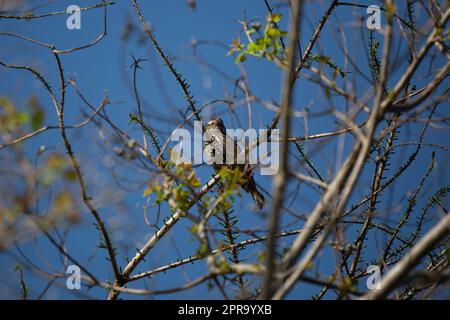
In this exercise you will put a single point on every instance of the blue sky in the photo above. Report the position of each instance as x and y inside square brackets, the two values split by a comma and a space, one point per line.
[104, 68]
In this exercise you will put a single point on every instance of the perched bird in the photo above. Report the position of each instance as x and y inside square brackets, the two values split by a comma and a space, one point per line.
[219, 151]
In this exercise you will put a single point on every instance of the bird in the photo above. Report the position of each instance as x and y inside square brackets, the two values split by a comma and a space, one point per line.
[219, 148]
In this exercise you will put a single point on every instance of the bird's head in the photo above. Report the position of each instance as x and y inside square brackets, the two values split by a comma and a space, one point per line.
[216, 123]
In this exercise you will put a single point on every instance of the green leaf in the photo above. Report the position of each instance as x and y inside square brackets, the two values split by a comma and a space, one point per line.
[37, 118]
[232, 50]
[276, 17]
[147, 192]
[274, 32]
[250, 31]
[22, 118]
[240, 58]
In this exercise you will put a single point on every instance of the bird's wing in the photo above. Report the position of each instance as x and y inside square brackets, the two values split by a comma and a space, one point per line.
[232, 150]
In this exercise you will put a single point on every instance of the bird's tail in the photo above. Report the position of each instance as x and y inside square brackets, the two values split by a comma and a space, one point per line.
[258, 197]
[250, 187]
